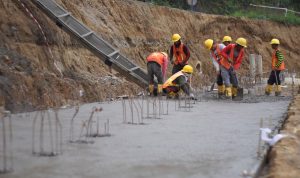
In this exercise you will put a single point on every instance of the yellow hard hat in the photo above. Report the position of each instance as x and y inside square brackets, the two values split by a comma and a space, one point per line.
[208, 43]
[227, 38]
[242, 42]
[164, 53]
[274, 41]
[175, 37]
[187, 69]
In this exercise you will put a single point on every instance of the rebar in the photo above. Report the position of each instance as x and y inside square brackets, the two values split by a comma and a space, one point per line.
[157, 107]
[90, 133]
[71, 138]
[187, 104]
[124, 111]
[54, 137]
[259, 139]
[135, 110]
[7, 141]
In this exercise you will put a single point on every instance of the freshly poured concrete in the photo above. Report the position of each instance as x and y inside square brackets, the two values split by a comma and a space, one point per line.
[215, 140]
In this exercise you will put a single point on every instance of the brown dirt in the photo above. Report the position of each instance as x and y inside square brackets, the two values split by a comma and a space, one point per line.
[285, 155]
[29, 79]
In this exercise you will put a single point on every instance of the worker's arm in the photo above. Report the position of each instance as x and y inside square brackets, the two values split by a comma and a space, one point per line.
[171, 55]
[215, 63]
[226, 51]
[239, 60]
[187, 54]
[280, 58]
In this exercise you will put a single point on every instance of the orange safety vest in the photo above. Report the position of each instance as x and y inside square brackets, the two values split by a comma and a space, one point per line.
[224, 61]
[275, 61]
[156, 57]
[170, 81]
[219, 54]
[179, 54]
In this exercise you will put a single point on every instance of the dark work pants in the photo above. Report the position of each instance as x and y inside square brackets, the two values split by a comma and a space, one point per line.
[274, 77]
[154, 69]
[229, 77]
[177, 68]
[219, 79]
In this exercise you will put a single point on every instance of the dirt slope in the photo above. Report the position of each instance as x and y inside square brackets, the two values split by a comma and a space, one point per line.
[29, 78]
[285, 155]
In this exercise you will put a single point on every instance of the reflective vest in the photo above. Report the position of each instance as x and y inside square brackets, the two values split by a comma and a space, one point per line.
[236, 61]
[170, 81]
[217, 58]
[156, 57]
[179, 54]
[275, 61]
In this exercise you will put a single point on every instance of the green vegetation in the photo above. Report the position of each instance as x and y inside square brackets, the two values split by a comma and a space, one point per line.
[290, 17]
[241, 8]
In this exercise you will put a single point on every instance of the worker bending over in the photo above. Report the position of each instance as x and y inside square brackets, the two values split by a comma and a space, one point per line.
[180, 52]
[179, 81]
[232, 56]
[215, 56]
[157, 64]
[277, 67]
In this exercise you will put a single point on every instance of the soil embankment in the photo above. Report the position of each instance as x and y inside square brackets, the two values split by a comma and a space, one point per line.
[29, 79]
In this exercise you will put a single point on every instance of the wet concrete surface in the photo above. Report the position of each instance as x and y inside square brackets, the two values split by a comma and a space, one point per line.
[216, 139]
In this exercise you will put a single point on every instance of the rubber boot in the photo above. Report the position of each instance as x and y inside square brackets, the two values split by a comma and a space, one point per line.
[234, 92]
[277, 90]
[151, 89]
[221, 90]
[268, 89]
[172, 95]
[228, 92]
[159, 89]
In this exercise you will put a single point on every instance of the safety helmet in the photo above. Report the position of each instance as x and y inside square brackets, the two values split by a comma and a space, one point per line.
[274, 41]
[242, 42]
[165, 54]
[175, 37]
[208, 43]
[187, 69]
[226, 38]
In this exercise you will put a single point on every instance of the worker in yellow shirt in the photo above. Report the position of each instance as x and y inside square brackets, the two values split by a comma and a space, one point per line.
[179, 81]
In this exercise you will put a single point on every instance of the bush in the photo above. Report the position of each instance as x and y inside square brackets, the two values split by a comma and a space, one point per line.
[290, 18]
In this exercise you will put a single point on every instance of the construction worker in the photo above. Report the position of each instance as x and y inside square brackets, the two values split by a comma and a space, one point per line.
[232, 56]
[180, 52]
[277, 67]
[179, 81]
[157, 64]
[215, 55]
[226, 40]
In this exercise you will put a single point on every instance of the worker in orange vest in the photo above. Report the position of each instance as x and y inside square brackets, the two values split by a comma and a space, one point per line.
[157, 64]
[215, 55]
[277, 67]
[180, 52]
[179, 81]
[232, 56]
[227, 40]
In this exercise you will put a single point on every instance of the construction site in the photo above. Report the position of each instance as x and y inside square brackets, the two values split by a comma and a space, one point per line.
[76, 99]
